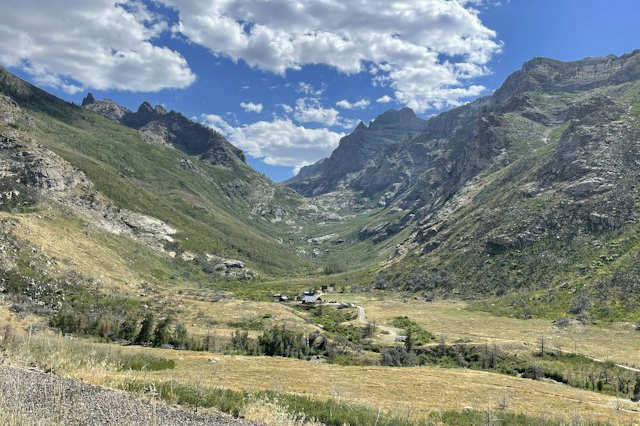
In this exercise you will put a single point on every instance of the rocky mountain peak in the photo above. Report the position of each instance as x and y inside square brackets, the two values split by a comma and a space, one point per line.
[145, 108]
[403, 118]
[551, 75]
[88, 100]
[357, 152]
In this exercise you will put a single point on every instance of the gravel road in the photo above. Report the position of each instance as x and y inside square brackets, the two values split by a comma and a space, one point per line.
[391, 333]
[31, 397]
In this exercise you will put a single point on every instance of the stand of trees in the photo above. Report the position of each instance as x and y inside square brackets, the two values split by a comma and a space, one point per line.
[134, 329]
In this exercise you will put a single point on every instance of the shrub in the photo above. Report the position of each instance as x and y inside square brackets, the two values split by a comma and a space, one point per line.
[579, 304]
[180, 336]
[162, 334]
[128, 329]
[398, 356]
[144, 335]
[636, 390]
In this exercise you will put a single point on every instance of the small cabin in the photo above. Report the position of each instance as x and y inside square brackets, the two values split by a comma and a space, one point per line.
[311, 300]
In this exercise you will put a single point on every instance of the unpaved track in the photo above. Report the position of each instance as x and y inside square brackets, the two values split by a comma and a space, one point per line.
[391, 334]
[38, 398]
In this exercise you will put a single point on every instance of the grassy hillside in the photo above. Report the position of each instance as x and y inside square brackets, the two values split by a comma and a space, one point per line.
[211, 206]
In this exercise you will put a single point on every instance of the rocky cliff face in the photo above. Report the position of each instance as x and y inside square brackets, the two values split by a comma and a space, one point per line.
[550, 75]
[170, 128]
[534, 186]
[356, 153]
[30, 173]
[417, 166]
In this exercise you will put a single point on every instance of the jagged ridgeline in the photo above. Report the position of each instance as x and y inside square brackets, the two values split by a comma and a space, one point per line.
[530, 194]
[169, 183]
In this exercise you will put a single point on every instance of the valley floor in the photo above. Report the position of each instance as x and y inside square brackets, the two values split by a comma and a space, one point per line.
[456, 322]
[412, 391]
[409, 392]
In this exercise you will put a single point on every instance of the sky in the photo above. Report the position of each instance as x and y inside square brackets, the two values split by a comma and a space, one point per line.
[284, 80]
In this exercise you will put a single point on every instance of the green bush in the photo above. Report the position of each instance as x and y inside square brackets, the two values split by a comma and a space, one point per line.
[419, 335]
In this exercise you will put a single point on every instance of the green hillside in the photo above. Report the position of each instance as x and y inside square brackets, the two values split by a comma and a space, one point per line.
[209, 205]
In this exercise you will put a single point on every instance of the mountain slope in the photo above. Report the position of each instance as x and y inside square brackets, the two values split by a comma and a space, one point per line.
[356, 152]
[215, 203]
[170, 128]
[530, 194]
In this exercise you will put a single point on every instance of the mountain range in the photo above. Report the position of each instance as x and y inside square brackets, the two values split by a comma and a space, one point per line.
[526, 200]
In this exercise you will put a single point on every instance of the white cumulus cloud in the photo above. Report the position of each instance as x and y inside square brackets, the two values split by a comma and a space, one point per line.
[286, 108]
[427, 51]
[309, 110]
[251, 107]
[279, 142]
[384, 99]
[309, 89]
[361, 104]
[99, 43]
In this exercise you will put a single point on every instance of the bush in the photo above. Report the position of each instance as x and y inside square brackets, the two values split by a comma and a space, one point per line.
[636, 390]
[162, 334]
[144, 335]
[579, 304]
[128, 329]
[419, 335]
[398, 356]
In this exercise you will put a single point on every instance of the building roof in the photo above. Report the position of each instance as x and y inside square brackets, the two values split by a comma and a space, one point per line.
[310, 299]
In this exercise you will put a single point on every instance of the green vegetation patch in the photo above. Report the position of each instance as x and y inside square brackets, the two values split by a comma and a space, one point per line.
[419, 335]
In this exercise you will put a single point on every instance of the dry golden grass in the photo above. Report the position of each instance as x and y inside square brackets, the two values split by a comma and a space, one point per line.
[95, 254]
[418, 390]
[76, 249]
[270, 413]
[617, 342]
[17, 322]
[198, 314]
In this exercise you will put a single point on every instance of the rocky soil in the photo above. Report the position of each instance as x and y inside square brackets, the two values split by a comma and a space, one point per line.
[32, 397]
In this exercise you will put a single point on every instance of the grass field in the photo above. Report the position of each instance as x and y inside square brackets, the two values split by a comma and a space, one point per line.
[618, 342]
[411, 392]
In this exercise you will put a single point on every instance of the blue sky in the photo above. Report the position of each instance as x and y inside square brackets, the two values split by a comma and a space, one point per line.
[285, 82]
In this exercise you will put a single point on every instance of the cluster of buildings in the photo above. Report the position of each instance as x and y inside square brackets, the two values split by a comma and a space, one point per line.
[311, 297]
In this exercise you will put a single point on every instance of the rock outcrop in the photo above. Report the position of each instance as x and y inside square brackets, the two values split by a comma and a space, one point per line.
[105, 107]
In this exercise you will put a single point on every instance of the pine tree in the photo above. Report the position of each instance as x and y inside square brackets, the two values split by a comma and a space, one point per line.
[636, 390]
[144, 335]
[180, 337]
[162, 335]
[408, 342]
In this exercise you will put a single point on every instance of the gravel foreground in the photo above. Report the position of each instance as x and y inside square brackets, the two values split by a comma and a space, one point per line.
[32, 397]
